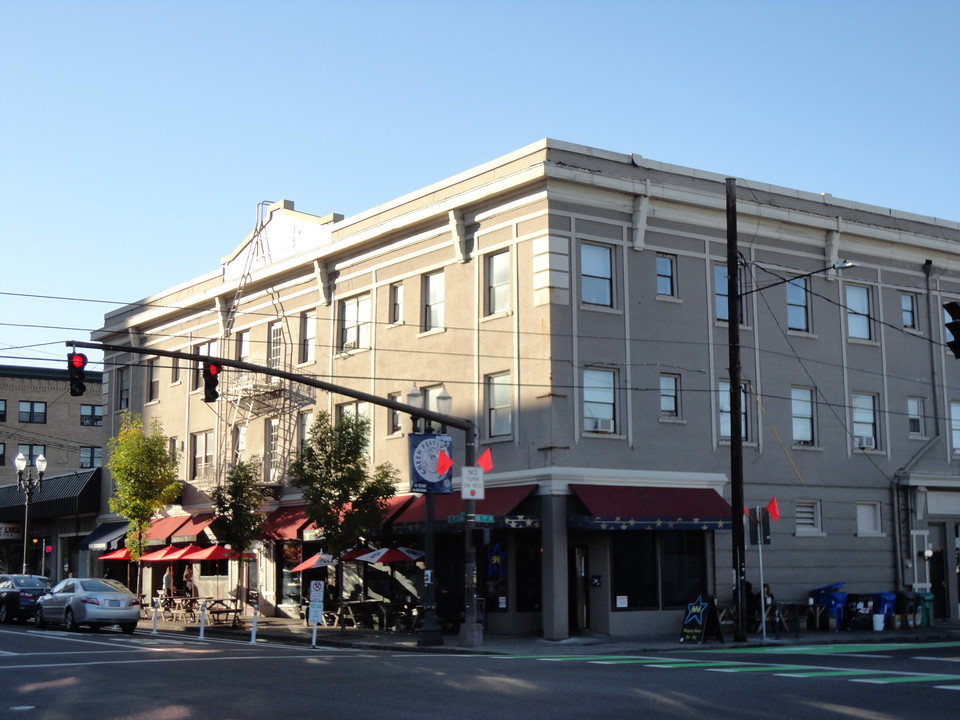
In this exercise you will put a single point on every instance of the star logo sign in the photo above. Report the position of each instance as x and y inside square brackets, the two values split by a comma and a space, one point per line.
[695, 611]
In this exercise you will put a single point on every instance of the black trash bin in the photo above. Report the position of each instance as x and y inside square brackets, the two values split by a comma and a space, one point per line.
[907, 605]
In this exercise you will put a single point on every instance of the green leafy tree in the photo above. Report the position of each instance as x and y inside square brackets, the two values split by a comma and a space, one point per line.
[237, 503]
[344, 498]
[144, 474]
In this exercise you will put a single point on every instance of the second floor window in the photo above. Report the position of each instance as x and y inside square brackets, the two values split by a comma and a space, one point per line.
[915, 415]
[499, 405]
[725, 411]
[801, 411]
[433, 301]
[202, 448]
[669, 396]
[599, 401]
[122, 376]
[32, 452]
[393, 416]
[91, 415]
[33, 412]
[153, 379]
[355, 323]
[90, 457]
[865, 421]
[3, 410]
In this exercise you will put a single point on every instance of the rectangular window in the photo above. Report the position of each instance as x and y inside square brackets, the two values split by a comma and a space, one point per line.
[91, 415]
[498, 282]
[868, 519]
[666, 275]
[596, 274]
[356, 409]
[174, 370]
[808, 520]
[908, 311]
[123, 388]
[396, 303]
[599, 401]
[3, 410]
[669, 395]
[394, 420]
[865, 421]
[858, 312]
[3, 454]
[241, 345]
[433, 301]
[355, 323]
[33, 412]
[721, 293]
[499, 405]
[275, 345]
[153, 379]
[955, 427]
[172, 449]
[32, 452]
[202, 448]
[308, 336]
[271, 450]
[724, 390]
[90, 457]
[304, 421]
[801, 410]
[239, 442]
[915, 416]
[205, 349]
[798, 316]
[656, 569]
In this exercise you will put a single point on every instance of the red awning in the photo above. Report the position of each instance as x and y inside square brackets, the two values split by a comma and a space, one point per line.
[285, 523]
[498, 502]
[191, 529]
[619, 507]
[162, 528]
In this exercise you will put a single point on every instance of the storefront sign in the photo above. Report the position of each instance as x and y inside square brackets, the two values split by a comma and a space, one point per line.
[11, 531]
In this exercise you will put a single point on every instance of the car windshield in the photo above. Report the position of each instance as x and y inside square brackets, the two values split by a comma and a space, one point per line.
[32, 582]
[94, 585]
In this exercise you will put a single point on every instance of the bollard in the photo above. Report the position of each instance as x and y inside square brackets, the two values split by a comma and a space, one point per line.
[156, 612]
[203, 617]
[253, 625]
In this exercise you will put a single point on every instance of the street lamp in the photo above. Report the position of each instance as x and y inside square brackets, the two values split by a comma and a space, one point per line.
[430, 633]
[27, 485]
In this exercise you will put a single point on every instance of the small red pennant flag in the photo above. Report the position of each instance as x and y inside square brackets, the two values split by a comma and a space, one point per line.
[773, 509]
[485, 460]
[444, 463]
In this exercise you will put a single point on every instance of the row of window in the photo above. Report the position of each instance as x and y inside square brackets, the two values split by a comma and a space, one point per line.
[35, 412]
[90, 457]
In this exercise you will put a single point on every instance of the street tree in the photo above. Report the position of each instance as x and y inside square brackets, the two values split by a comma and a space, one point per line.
[144, 474]
[237, 504]
[345, 498]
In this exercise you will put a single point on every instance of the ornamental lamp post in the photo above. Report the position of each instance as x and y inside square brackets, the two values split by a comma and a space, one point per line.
[27, 485]
[430, 634]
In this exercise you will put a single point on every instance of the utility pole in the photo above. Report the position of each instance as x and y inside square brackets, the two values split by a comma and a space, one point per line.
[736, 412]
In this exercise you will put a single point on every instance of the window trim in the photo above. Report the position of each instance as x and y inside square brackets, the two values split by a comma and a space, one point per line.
[609, 280]
[809, 419]
[670, 278]
[494, 386]
[601, 425]
[433, 302]
[861, 441]
[859, 315]
[36, 414]
[357, 311]
[802, 285]
[671, 393]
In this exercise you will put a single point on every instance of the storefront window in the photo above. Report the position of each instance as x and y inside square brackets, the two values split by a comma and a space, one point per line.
[528, 560]
[289, 580]
[656, 570]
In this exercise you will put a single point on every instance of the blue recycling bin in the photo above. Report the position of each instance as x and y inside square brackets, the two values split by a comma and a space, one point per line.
[832, 600]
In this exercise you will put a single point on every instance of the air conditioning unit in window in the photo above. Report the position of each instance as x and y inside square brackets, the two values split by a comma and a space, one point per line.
[350, 345]
[601, 425]
[865, 442]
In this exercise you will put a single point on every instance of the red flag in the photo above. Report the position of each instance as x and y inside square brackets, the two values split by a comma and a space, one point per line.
[444, 463]
[485, 460]
[773, 509]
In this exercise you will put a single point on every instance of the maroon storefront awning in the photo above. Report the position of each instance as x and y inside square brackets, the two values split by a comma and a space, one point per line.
[285, 523]
[613, 507]
[498, 502]
[162, 528]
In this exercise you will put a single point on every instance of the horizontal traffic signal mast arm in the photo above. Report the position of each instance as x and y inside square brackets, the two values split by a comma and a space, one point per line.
[459, 423]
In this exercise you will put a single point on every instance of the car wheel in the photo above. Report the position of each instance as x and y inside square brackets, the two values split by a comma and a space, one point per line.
[128, 628]
[4, 614]
[41, 623]
[70, 622]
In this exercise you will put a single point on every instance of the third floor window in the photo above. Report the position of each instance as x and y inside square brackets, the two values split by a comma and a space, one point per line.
[33, 412]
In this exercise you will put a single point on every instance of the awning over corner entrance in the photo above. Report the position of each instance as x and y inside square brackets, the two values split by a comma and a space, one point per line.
[191, 530]
[162, 528]
[613, 507]
[499, 502]
[106, 537]
[285, 523]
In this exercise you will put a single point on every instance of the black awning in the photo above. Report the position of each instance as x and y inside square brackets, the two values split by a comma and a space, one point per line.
[105, 537]
[68, 494]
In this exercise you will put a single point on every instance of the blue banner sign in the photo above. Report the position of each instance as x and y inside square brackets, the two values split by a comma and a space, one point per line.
[424, 451]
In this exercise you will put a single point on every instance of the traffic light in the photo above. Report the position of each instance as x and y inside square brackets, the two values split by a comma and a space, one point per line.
[76, 362]
[953, 327]
[211, 378]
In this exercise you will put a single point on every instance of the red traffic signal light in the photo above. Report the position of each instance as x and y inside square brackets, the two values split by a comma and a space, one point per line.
[76, 363]
[211, 378]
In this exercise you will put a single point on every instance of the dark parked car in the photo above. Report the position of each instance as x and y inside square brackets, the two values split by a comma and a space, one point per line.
[89, 601]
[18, 595]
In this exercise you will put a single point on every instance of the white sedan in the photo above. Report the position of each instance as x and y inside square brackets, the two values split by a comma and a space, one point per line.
[89, 601]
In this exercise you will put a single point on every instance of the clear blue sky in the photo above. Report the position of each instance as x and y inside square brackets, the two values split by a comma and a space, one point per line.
[137, 137]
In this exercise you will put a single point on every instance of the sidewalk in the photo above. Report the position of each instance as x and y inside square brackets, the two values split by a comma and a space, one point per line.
[291, 631]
